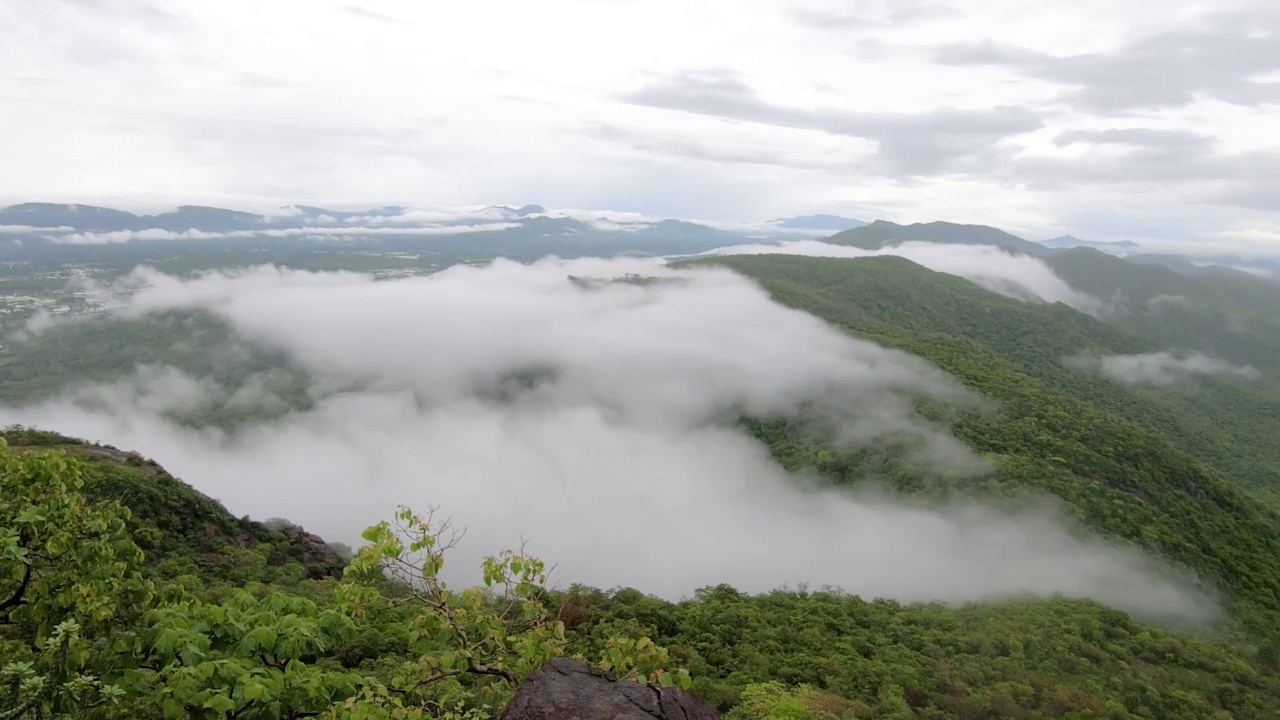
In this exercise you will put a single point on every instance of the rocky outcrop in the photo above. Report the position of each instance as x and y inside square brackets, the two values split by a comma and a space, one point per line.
[318, 557]
[567, 689]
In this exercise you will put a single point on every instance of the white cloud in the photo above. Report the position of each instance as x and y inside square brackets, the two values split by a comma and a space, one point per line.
[1160, 303]
[154, 390]
[595, 419]
[590, 216]
[235, 103]
[1017, 276]
[123, 236]
[611, 225]
[24, 229]
[1160, 368]
[1256, 271]
[1254, 236]
[762, 228]
[432, 216]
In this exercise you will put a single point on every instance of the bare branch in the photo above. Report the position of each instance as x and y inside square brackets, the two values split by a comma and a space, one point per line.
[16, 598]
[479, 669]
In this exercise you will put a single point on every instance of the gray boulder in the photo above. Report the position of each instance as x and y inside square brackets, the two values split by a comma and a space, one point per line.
[566, 689]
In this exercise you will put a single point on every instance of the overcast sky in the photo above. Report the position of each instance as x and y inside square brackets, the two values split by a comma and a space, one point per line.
[1146, 119]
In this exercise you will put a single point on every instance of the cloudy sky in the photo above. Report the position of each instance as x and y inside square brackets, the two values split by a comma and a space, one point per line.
[1144, 120]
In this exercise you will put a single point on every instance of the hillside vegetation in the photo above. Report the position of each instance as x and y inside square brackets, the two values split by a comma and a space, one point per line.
[1219, 311]
[1055, 430]
[105, 632]
[183, 532]
[1222, 313]
[125, 593]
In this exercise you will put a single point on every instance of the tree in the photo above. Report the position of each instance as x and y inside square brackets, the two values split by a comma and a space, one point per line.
[246, 658]
[51, 683]
[775, 701]
[68, 588]
[470, 647]
[60, 556]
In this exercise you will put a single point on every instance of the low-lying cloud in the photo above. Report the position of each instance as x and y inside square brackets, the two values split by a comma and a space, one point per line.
[1017, 276]
[1159, 303]
[596, 419]
[124, 236]
[26, 229]
[1160, 368]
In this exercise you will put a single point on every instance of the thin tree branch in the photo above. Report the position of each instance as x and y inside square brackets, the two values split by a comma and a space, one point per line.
[16, 598]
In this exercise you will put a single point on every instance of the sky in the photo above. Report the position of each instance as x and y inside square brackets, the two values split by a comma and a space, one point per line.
[1140, 120]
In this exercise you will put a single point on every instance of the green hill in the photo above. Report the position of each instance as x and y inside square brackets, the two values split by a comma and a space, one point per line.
[1229, 315]
[184, 532]
[1225, 424]
[882, 233]
[1061, 431]
[1224, 312]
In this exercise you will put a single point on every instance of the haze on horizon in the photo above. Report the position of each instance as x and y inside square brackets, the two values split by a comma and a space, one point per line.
[1143, 121]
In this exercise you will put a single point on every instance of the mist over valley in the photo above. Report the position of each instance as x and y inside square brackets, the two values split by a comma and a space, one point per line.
[818, 360]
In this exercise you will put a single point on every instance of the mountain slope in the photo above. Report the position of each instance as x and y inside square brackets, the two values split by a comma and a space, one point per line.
[1052, 432]
[882, 233]
[184, 532]
[796, 654]
[1226, 315]
[1011, 661]
[1223, 313]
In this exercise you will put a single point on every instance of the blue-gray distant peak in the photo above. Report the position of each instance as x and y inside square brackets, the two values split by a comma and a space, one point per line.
[834, 223]
[1071, 241]
[80, 217]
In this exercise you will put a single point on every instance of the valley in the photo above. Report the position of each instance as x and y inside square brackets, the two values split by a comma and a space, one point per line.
[805, 360]
[1010, 506]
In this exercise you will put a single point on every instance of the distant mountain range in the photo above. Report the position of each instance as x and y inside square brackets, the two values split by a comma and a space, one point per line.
[49, 219]
[195, 236]
[531, 231]
[833, 223]
[1071, 241]
[88, 218]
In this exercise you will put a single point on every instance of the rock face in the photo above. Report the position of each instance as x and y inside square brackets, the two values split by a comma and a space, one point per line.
[566, 689]
[317, 556]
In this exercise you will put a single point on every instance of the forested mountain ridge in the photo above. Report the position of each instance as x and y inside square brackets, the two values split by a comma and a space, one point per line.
[883, 233]
[186, 611]
[1226, 314]
[298, 647]
[1221, 311]
[1060, 431]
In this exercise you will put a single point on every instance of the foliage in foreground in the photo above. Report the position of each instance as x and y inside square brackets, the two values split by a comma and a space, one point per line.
[83, 634]
[391, 639]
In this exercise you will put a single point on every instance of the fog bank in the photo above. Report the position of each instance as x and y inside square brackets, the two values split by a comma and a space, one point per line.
[594, 419]
[1160, 368]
